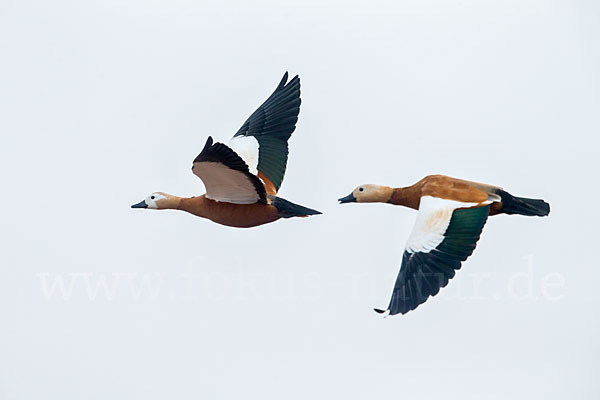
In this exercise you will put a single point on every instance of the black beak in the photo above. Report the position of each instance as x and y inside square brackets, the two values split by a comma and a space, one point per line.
[348, 199]
[141, 204]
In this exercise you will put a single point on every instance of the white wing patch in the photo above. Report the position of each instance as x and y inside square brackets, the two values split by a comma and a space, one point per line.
[225, 184]
[247, 148]
[431, 224]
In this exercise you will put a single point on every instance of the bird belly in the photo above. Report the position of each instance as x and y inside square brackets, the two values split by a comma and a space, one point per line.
[244, 215]
[229, 214]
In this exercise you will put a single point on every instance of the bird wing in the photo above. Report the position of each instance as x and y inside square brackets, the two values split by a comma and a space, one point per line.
[262, 141]
[226, 176]
[445, 234]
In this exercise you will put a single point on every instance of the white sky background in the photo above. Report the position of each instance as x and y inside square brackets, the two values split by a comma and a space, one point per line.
[103, 102]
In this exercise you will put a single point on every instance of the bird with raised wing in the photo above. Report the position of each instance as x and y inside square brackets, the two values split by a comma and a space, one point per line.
[451, 216]
[242, 178]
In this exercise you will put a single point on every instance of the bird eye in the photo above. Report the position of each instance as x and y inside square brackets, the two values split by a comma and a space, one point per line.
[152, 197]
[361, 189]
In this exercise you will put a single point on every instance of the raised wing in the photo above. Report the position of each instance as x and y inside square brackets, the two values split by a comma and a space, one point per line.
[226, 176]
[445, 234]
[262, 141]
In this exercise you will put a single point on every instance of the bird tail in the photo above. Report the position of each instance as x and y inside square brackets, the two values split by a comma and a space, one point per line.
[287, 209]
[523, 206]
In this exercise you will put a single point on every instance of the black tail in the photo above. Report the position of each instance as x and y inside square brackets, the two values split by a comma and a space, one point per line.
[523, 206]
[287, 209]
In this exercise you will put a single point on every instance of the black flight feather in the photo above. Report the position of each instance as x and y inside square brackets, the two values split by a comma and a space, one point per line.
[272, 124]
[220, 153]
[423, 274]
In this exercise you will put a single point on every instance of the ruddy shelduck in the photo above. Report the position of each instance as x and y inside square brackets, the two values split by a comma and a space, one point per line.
[451, 216]
[242, 178]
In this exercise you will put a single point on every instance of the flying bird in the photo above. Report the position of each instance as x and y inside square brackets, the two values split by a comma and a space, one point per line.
[451, 216]
[243, 177]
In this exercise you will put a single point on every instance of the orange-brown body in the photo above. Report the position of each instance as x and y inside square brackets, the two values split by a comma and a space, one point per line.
[269, 187]
[235, 215]
[445, 187]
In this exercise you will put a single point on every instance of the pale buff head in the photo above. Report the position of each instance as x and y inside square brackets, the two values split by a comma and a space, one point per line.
[158, 201]
[368, 194]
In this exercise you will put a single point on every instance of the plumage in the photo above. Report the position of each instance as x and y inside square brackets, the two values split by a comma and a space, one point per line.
[226, 176]
[242, 179]
[247, 148]
[272, 124]
[451, 217]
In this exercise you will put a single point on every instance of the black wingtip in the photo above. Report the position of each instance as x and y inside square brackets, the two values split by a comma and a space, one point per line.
[283, 80]
[379, 311]
[207, 145]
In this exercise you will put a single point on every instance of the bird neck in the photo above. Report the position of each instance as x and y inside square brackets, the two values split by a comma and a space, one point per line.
[194, 205]
[409, 196]
[169, 202]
